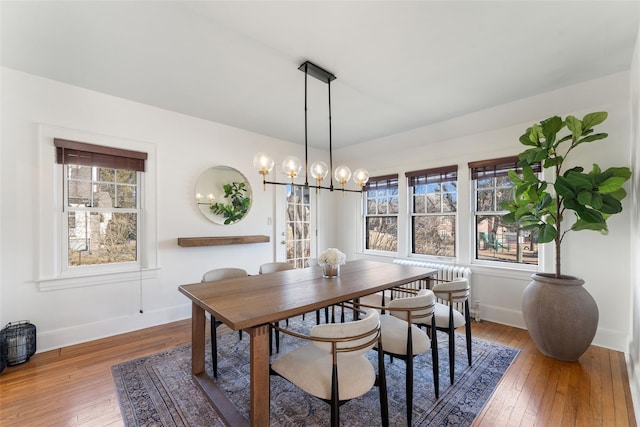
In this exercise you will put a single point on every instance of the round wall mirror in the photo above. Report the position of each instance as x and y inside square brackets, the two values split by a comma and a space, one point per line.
[223, 195]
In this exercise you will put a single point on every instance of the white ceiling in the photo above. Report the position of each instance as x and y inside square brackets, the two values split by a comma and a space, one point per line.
[399, 65]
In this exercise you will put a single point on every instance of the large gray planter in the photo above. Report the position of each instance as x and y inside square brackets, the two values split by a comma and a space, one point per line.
[561, 316]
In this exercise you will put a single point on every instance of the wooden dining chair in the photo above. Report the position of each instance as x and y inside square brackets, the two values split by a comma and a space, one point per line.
[402, 337]
[214, 276]
[452, 294]
[333, 366]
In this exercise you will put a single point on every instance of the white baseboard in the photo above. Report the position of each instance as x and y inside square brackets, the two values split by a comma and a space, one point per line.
[606, 338]
[64, 337]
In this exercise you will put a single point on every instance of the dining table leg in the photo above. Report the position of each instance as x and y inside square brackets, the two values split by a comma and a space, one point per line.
[259, 375]
[197, 338]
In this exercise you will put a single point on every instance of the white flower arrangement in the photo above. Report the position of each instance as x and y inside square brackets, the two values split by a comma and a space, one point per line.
[332, 256]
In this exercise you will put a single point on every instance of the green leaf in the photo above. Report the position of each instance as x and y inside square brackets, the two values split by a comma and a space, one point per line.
[564, 188]
[619, 194]
[593, 119]
[574, 125]
[545, 202]
[584, 225]
[580, 181]
[592, 138]
[612, 184]
[551, 126]
[552, 162]
[547, 233]
[610, 205]
[623, 172]
[528, 175]
[590, 215]
[525, 139]
[584, 198]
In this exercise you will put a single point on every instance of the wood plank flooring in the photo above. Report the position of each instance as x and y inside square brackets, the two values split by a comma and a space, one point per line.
[73, 386]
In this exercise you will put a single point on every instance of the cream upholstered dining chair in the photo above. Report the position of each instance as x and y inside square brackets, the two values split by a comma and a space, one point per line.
[333, 366]
[313, 262]
[272, 267]
[402, 337]
[448, 318]
[213, 276]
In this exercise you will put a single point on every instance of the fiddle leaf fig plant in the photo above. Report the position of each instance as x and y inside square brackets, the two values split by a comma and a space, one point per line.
[541, 206]
[238, 206]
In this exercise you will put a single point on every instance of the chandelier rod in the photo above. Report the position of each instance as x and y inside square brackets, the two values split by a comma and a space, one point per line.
[330, 142]
[306, 138]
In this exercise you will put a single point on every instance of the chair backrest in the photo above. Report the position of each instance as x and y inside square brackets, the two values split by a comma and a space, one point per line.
[223, 273]
[272, 267]
[421, 307]
[456, 290]
[312, 262]
[357, 337]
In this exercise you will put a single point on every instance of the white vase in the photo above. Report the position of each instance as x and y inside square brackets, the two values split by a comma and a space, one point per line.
[330, 271]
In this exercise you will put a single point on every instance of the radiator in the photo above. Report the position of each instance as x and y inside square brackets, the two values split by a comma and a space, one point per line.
[444, 272]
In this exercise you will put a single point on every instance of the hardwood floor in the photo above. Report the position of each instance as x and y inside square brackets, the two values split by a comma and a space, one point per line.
[73, 386]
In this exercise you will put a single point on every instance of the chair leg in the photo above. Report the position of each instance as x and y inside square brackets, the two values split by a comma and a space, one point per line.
[467, 327]
[452, 355]
[214, 348]
[409, 375]
[317, 317]
[452, 345]
[382, 385]
[335, 400]
[240, 334]
[434, 359]
[277, 333]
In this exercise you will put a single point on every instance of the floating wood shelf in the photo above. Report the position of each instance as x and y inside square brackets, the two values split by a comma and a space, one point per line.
[187, 242]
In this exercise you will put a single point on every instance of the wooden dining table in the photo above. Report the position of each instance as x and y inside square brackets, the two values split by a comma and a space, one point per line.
[251, 303]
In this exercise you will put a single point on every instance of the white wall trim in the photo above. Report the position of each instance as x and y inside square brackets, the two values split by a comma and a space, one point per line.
[65, 337]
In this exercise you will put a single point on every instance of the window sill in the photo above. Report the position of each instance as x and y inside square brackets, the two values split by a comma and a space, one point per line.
[86, 280]
[511, 271]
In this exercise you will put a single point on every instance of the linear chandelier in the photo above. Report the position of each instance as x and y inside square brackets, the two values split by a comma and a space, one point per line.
[318, 170]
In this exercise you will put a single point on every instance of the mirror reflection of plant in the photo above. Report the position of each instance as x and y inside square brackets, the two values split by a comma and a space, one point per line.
[238, 206]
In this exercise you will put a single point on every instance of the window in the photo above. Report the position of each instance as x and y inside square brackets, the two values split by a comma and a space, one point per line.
[495, 239]
[381, 213]
[433, 195]
[298, 225]
[101, 213]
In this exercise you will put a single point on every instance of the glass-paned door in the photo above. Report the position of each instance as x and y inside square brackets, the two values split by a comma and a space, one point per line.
[298, 226]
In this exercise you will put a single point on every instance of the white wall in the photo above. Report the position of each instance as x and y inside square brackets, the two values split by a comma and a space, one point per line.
[634, 344]
[185, 146]
[602, 261]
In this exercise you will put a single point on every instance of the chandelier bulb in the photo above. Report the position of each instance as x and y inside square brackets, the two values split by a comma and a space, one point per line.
[361, 176]
[342, 174]
[263, 163]
[291, 167]
[319, 170]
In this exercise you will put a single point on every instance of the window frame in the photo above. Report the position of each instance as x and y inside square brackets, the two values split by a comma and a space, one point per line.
[494, 168]
[50, 274]
[389, 182]
[440, 176]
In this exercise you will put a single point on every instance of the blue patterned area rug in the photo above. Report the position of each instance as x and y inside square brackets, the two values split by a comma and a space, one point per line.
[158, 390]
